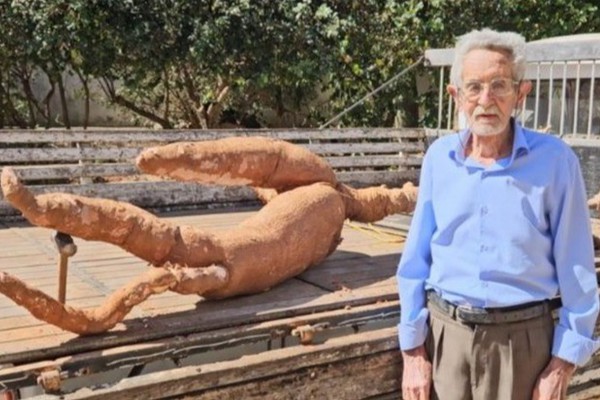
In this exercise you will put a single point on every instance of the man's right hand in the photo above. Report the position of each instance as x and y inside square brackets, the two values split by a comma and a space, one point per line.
[416, 374]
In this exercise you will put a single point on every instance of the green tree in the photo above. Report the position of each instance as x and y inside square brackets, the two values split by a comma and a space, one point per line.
[198, 64]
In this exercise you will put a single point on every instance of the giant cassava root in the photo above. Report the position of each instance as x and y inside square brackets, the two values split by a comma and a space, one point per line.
[299, 226]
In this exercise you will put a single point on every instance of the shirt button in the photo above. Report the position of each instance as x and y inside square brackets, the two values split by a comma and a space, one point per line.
[483, 248]
[484, 210]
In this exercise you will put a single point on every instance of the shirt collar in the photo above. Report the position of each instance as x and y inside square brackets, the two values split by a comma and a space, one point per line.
[520, 145]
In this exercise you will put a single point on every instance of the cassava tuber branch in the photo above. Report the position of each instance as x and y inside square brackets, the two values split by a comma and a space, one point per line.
[131, 228]
[253, 161]
[117, 305]
[375, 203]
[594, 202]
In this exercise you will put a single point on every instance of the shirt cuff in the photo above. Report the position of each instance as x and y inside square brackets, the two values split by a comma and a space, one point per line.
[572, 347]
[413, 334]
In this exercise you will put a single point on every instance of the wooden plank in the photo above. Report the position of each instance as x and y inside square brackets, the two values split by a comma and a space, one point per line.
[66, 171]
[585, 384]
[144, 135]
[375, 161]
[307, 371]
[373, 148]
[149, 194]
[120, 153]
[180, 347]
[376, 178]
[343, 275]
[52, 155]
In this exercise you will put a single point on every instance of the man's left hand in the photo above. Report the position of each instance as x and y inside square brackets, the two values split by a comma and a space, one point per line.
[553, 381]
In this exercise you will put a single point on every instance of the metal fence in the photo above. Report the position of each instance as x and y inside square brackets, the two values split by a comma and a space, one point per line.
[565, 98]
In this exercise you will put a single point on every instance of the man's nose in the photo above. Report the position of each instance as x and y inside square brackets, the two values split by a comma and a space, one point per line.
[485, 97]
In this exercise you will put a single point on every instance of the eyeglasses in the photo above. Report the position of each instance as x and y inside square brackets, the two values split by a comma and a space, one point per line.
[499, 87]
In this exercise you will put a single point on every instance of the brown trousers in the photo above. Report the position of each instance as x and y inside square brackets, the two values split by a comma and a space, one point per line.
[487, 362]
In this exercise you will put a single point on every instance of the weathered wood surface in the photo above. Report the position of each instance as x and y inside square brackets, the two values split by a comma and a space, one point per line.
[350, 367]
[50, 155]
[101, 163]
[353, 285]
[174, 135]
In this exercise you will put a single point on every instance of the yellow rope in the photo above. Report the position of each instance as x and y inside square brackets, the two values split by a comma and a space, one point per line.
[379, 233]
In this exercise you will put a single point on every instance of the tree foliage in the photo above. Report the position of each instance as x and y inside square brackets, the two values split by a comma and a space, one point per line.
[201, 63]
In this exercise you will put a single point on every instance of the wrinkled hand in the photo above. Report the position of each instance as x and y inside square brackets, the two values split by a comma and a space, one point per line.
[553, 381]
[416, 375]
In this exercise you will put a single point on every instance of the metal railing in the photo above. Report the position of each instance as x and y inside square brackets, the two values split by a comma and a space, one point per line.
[565, 96]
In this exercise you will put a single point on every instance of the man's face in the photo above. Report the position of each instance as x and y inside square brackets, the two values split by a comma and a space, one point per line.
[488, 93]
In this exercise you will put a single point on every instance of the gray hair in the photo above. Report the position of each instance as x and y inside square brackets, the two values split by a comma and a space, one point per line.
[510, 42]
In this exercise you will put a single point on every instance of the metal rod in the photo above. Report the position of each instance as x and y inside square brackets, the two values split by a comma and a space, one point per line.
[370, 94]
[576, 110]
[441, 98]
[66, 248]
[63, 264]
[591, 106]
[521, 113]
[550, 89]
[537, 98]
[563, 101]
[449, 122]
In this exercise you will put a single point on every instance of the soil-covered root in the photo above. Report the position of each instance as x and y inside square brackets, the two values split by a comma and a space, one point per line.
[594, 202]
[252, 161]
[295, 230]
[131, 228]
[117, 305]
[375, 203]
[265, 195]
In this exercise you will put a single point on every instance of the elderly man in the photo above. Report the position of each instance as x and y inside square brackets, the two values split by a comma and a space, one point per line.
[500, 228]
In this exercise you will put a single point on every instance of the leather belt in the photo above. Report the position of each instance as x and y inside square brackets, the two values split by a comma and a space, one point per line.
[478, 315]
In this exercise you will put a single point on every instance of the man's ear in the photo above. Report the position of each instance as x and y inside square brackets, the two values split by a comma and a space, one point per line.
[453, 91]
[524, 89]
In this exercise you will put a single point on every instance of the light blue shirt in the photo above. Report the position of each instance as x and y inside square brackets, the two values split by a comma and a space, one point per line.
[510, 233]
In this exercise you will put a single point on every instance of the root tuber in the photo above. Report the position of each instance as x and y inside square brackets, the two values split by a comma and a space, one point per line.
[299, 226]
[253, 161]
